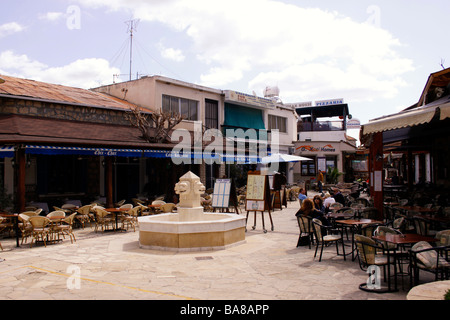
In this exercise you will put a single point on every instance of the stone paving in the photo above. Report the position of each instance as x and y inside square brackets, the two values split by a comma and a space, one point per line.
[111, 266]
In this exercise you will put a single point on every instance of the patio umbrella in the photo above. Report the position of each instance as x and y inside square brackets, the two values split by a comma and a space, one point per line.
[279, 157]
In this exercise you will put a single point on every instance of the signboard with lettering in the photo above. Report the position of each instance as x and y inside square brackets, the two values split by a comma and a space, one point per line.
[330, 102]
[247, 99]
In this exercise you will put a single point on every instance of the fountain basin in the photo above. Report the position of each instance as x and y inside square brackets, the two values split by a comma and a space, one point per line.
[207, 231]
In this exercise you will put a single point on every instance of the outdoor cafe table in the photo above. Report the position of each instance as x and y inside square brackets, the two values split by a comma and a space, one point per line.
[15, 217]
[400, 239]
[355, 225]
[116, 212]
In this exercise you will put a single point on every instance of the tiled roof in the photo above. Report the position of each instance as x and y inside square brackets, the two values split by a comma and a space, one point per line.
[31, 89]
[27, 129]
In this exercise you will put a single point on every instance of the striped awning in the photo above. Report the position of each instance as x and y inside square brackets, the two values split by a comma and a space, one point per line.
[400, 120]
[57, 150]
[162, 154]
[7, 152]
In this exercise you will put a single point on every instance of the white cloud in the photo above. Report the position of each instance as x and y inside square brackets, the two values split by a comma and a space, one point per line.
[10, 28]
[171, 53]
[52, 16]
[307, 52]
[83, 73]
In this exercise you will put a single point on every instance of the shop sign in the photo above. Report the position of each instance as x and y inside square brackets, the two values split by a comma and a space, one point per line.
[326, 148]
[331, 102]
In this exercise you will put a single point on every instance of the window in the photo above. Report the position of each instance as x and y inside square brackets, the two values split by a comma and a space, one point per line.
[309, 167]
[276, 122]
[187, 108]
[211, 114]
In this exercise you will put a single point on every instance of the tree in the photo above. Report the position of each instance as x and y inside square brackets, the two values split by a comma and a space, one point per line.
[154, 127]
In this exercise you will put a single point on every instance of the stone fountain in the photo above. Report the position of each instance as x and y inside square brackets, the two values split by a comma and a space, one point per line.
[191, 229]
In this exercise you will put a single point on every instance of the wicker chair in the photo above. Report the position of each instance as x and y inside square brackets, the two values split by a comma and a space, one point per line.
[56, 213]
[167, 207]
[83, 215]
[306, 231]
[322, 238]
[25, 226]
[66, 227]
[129, 219]
[103, 219]
[40, 229]
[369, 255]
[423, 256]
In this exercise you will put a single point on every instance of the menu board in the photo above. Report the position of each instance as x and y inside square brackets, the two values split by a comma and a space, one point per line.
[256, 187]
[221, 195]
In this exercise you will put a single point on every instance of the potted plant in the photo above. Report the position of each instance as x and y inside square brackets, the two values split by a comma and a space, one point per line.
[332, 175]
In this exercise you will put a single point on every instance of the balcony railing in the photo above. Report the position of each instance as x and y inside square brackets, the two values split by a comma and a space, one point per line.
[320, 126]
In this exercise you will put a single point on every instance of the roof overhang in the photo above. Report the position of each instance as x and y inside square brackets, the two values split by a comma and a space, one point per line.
[400, 120]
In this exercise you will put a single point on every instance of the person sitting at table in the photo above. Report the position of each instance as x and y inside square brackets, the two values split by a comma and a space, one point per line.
[328, 201]
[318, 203]
[338, 196]
[307, 210]
[301, 195]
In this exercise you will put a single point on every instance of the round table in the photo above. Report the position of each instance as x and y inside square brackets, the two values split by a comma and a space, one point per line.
[429, 291]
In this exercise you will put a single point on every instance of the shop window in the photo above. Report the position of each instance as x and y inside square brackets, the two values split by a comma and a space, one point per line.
[277, 123]
[187, 108]
[211, 114]
[309, 167]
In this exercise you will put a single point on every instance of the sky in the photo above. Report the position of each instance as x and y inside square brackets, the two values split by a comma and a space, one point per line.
[376, 55]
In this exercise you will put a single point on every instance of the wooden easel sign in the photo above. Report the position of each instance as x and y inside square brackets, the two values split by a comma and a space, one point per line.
[258, 197]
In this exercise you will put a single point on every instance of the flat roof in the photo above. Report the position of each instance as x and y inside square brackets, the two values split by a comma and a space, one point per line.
[324, 111]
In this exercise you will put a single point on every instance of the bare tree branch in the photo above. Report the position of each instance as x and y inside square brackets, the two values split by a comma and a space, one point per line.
[161, 123]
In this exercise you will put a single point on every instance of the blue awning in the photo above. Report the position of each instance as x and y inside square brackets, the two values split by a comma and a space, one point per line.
[242, 117]
[161, 154]
[55, 150]
[7, 152]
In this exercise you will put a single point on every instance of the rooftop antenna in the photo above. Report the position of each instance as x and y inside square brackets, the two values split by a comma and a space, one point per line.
[132, 27]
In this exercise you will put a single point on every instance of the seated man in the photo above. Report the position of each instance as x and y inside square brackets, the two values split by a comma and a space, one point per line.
[338, 196]
[301, 195]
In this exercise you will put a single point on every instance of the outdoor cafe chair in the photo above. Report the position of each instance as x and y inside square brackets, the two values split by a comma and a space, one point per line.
[129, 218]
[323, 238]
[40, 229]
[143, 210]
[84, 215]
[422, 227]
[119, 203]
[2, 227]
[103, 219]
[56, 213]
[25, 226]
[161, 202]
[306, 231]
[423, 256]
[444, 237]
[370, 254]
[66, 227]
[30, 213]
[167, 207]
